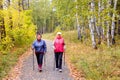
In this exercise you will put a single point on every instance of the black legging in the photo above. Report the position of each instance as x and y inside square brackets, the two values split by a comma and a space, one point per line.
[58, 59]
[39, 56]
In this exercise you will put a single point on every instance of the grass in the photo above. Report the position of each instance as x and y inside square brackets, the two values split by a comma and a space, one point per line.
[9, 59]
[100, 64]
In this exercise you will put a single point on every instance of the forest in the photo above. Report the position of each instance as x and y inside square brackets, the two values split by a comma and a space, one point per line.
[94, 23]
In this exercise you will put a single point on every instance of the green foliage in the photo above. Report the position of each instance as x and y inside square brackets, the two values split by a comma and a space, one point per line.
[42, 15]
[9, 59]
[6, 44]
[58, 29]
[101, 64]
[118, 6]
[68, 12]
[64, 13]
[19, 33]
[19, 29]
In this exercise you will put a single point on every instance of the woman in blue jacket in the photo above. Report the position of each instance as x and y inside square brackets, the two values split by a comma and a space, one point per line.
[40, 49]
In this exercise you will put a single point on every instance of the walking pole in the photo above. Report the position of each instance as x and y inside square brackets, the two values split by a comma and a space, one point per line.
[33, 59]
[54, 59]
[54, 63]
[44, 59]
[64, 58]
[64, 54]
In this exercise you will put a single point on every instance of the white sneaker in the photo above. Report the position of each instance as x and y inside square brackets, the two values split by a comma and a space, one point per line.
[60, 70]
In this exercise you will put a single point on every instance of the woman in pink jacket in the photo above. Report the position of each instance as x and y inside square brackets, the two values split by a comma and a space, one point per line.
[58, 50]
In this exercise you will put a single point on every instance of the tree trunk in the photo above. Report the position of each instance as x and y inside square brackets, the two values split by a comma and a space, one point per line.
[78, 28]
[113, 23]
[102, 21]
[2, 26]
[23, 5]
[2, 29]
[108, 25]
[92, 25]
[9, 2]
[119, 27]
[99, 28]
[77, 23]
[28, 4]
[99, 22]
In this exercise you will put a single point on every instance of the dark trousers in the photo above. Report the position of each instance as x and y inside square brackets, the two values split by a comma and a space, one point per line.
[58, 59]
[39, 57]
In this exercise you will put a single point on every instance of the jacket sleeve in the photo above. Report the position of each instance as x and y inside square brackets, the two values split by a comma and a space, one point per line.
[45, 47]
[33, 45]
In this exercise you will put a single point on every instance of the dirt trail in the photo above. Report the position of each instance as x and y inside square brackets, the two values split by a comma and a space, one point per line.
[24, 68]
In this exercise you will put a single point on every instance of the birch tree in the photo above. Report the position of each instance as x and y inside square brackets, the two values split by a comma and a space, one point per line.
[108, 24]
[77, 22]
[97, 16]
[113, 23]
[99, 22]
[92, 24]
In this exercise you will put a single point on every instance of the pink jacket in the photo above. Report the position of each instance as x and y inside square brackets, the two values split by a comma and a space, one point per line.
[59, 44]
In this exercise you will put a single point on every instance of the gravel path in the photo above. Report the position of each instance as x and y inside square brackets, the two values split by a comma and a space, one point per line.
[27, 72]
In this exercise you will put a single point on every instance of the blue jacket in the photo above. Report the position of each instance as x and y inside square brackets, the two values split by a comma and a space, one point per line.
[39, 46]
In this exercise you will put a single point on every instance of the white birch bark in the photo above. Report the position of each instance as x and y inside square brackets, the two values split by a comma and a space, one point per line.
[92, 25]
[108, 25]
[102, 20]
[77, 23]
[113, 23]
[98, 28]
[6, 3]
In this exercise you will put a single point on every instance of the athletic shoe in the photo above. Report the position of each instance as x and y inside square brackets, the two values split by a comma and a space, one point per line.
[40, 69]
[60, 70]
